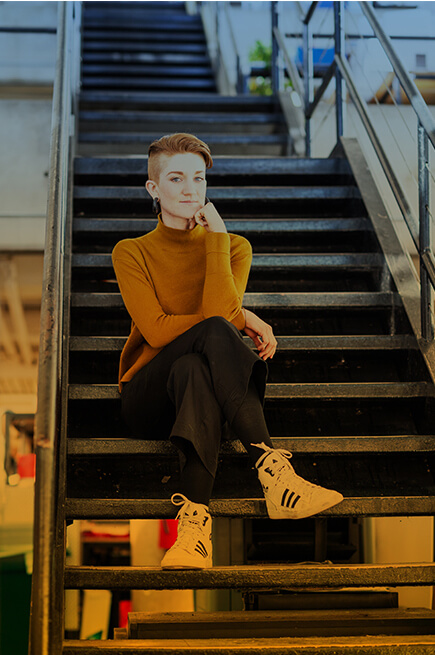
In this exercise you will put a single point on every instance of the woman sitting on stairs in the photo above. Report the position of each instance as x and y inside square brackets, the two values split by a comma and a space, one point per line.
[185, 370]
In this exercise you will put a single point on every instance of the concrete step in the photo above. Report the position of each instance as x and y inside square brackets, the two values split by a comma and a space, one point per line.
[164, 122]
[285, 343]
[294, 576]
[267, 168]
[357, 262]
[284, 390]
[152, 47]
[118, 17]
[233, 194]
[293, 301]
[144, 70]
[164, 101]
[158, 31]
[94, 143]
[139, 226]
[288, 235]
[254, 508]
[234, 449]
[368, 645]
[173, 59]
[149, 82]
[276, 624]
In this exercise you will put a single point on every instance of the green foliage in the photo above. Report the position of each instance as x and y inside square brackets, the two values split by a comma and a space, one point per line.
[261, 52]
[261, 86]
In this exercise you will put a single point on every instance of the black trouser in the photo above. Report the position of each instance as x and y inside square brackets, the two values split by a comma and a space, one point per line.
[205, 377]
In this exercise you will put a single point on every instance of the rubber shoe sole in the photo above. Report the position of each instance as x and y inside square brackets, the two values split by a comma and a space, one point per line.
[328, 498]
[183, 561]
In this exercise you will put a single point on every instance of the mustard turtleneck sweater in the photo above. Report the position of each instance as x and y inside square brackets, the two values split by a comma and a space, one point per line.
[170, 280]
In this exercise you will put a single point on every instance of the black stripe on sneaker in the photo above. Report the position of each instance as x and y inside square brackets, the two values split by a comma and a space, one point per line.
[289, 499]
[284, 496]
[295, 501]
[201, 549]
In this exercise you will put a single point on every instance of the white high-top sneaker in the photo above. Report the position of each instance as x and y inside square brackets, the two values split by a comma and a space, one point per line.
[193, 549]
[288, 496]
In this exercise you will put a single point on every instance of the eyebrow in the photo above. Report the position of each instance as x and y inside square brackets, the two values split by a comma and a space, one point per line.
[182, 172]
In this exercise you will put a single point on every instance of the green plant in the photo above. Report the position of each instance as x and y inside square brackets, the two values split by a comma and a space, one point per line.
[261, 52]
[261, 85]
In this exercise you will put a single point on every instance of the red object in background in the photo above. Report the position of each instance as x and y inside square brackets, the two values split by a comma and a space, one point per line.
[124, 607]
[26, 467]
[168, 533]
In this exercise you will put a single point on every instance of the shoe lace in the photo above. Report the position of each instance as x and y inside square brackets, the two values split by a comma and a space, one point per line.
[189, 518]
[280, 468]
[268, 449]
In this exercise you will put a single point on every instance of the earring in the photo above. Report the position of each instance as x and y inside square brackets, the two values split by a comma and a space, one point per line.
[156, 206]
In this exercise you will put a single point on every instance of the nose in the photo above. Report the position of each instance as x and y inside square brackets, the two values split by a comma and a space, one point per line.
[188, 188]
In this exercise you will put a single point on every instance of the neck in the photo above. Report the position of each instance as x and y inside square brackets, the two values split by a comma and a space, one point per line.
[178, 223]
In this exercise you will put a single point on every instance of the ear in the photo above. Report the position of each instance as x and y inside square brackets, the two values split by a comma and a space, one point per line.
[152, 188]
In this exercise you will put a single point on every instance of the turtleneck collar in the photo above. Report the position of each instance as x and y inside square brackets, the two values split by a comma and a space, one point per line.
[178, 236]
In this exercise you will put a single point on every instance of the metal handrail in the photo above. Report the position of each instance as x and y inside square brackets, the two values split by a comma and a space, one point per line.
[383, 159]
[240, 85]
[408, 85]
[426, 132]
[44, 610]
[292, 71]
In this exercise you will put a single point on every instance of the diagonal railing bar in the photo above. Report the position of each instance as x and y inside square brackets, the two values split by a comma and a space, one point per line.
[383, 158]
[321, 90]
[310, 13]
[292, 71]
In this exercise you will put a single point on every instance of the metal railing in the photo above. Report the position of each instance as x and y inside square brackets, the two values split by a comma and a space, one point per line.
[419, 230]
[46, 607]
[221, 38]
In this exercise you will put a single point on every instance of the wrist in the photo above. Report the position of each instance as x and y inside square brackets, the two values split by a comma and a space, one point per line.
[219, 228]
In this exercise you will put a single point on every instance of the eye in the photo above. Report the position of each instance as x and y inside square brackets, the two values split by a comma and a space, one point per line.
[175, 179]
[201, 179]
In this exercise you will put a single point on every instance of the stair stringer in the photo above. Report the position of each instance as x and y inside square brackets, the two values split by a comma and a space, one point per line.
[398, 260]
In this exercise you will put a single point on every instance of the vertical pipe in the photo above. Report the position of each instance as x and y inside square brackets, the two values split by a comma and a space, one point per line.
[339, 82]
[275, 50]
[239, 81]
[423, 208]
[47, 607]
[308, 80]
[217, 41]
[42, 621]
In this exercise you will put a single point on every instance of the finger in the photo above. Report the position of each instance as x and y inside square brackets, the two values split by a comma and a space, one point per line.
[199, 214]
[269, 351]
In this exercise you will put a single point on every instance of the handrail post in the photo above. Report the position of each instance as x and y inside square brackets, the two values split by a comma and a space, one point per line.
[239, 82]
[308, 78]
[339, 81]
[46, 621]
[425, 241]
[275, 72]
[217, 37]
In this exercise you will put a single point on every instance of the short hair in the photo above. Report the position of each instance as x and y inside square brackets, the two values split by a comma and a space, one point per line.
[173, 144]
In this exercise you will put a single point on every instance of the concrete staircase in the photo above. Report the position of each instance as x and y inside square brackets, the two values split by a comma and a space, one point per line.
[349, 392]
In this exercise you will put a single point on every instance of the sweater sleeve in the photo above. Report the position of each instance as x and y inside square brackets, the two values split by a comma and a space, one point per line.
[141, 302]
[227, 270]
